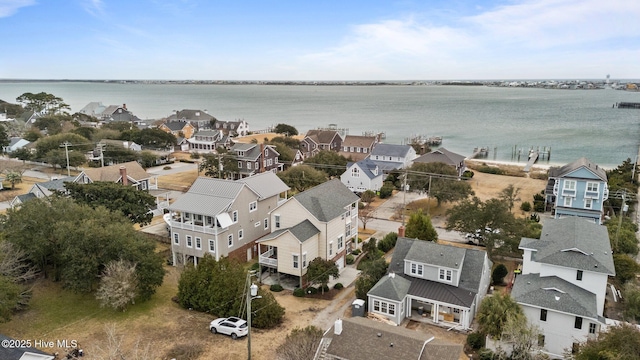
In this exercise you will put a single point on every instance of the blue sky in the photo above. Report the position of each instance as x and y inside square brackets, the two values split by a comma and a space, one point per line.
[319, 40]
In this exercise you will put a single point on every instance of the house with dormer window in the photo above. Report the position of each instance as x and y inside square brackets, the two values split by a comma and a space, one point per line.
[362, 176]
[563, 283]
[578, 189]
[319, 222]
[391, 157]
[357, 147]
[317, 140]
[440, 283]
[255, 159]
[223, 217]
[199, 119]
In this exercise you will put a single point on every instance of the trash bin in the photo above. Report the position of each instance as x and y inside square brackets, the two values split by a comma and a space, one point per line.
[357, 308]
[420, 310]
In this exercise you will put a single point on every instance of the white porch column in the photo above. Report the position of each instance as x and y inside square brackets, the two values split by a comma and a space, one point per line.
[195, 261]
[436, 311]
[173, 256]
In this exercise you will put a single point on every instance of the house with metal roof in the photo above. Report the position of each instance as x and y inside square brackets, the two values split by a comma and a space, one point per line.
[256, 158]
[319, 222]
[223, 217]
[444, 156]
[362, 176]
[563, 283]
[577, 189]
[390, 157]
[377, 340]
[430, 281]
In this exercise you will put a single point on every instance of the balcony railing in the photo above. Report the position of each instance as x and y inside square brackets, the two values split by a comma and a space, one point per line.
[198, 226]
[267, 259]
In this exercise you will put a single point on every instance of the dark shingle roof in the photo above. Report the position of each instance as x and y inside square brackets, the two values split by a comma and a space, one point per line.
[374, 341]
[573, 242]
[176, 125]
[391, 287]
[441, 292]
[191, 115]
[441, 155]
[391, 150]
[322, 136]
[327, 200]
[367, 166]
[302, 231]
[432, 253]
[551, 292]
[582, 162]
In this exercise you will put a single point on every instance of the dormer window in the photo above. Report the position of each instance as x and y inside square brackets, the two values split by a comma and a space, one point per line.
[445, 275]
[417, 269]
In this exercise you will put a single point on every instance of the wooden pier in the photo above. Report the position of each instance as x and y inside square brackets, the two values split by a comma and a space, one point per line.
[480, 152]
[627, 105]
[543, 154]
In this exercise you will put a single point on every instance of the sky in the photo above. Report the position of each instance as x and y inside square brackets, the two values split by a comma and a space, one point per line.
[319, 40]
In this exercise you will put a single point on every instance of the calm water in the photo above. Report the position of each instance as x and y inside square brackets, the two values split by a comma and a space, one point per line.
[573, 123]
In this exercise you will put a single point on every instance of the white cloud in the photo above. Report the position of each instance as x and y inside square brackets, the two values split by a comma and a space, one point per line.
[10, 7]
[93, 7]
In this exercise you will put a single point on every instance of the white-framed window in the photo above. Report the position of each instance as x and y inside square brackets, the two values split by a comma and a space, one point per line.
[358, 149]
[209, 220]
[588, 203]
[568, 201]
[239, 164]
[569, 185]
[446, 275]
[240, 234]
[257, 224]
[176, 238]
[304, 260]
[266, 152]
[276, 221]
[198, 243]
[355, 172]
[417, 269]
[212, 245]
[456, 311]
[257, 165]
[347, 229]
[230, 240]
[234, 216]
[296, 261]
[269, 162]
[189, 241]
[384, 307]
[253, 206]
[340, 242]
[592, 328]
[266, 223]
[330, 248]
[346, 148]
[364, 150]
[249, 165]
[592, 186]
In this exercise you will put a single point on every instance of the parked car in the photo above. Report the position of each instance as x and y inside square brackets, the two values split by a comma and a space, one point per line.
[232, 326]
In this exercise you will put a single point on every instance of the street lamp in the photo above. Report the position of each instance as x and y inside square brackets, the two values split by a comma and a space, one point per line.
[252, 293]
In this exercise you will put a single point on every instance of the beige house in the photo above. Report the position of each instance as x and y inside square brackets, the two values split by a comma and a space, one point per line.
[320, 222]
[223, 217]
[129, 173]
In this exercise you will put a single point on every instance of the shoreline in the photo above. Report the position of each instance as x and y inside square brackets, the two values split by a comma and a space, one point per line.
[499, 163]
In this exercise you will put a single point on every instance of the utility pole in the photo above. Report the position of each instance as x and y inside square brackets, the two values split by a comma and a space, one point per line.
[404, 195]
[252, 293]
[66, 151]
[219, 166]
[429, 196]
[623, 209]
[101, 147]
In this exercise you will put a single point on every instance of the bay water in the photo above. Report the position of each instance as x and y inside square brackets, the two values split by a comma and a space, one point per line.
[573, 123]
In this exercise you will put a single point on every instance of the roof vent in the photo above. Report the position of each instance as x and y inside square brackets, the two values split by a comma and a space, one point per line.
[392, 275]
[441, 254]
[379, 334]
[596, 265]
[557, 298]
[391, 345]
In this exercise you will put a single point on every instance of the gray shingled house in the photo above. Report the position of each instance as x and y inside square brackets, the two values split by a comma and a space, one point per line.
[440, 283]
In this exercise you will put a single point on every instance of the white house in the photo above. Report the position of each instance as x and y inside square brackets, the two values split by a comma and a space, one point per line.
[362, 176]
[440, 282]
[563, 283]
[391, 157]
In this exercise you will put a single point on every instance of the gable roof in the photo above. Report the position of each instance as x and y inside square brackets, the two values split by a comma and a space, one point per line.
[327, 200]
[322, 136]
[251, 151]
[55, 184]
[265, 184]
[302, 231]
[208, 196]
[429, 252]
[176, 125]
[441, 155]
[391, 150]
[551, 292]
[367, 166]
[112, 173]
[189, 114]
[391, 287]
[582, 162]
[359, 141]
[573, 242]
[376, 340]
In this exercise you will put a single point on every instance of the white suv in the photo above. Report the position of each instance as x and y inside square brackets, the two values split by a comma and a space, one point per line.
[232, 326]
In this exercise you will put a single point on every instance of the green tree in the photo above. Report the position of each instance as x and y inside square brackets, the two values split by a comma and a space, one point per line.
[53, 124]
[9, 298]
[494, 312]
[23, 154]
[386, 190]
[15, 272]
[85, 132]
[287, 140]
[287, 154]
[622, 235]
[4, 138]
[288, 130]
[419, 227]
[368, 196]
[14, 177]
[632, 301]
[302, 177]
[498, 274]
[320, 271]
[118, 154]
[510, 195]
[372, 272]
[440, 180]
[222, 165]
[328, 161]
[300, 344]
[626, 267]
[266, 313]
[58, 157]
[54, 142]
[134, 204]
[618, 343]
[43, 102]
[148, 159]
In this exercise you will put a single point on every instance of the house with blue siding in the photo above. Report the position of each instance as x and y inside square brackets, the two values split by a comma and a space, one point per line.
[578, 189]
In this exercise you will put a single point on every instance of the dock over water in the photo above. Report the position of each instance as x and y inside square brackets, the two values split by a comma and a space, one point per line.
[533, 157]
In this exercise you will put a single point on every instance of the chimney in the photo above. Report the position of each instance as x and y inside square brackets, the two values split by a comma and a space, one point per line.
[337, 327]
[263, 159]
[123, 175]
[124, 106]
[401, 231]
